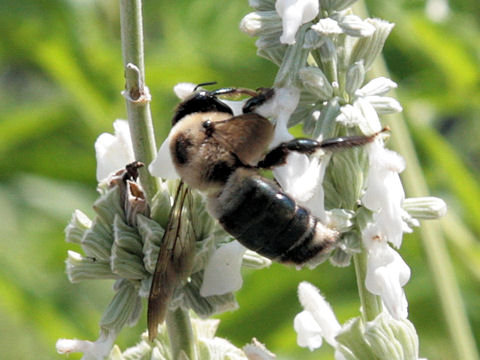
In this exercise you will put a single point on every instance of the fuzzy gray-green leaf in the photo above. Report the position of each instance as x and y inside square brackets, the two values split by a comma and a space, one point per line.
[97, 241]
[352, 337]
[107, 206]
[152, 234]
[127, 254]
[122, 308]
[392, 339]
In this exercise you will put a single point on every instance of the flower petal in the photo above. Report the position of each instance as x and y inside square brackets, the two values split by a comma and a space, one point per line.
[387, 273]
[354, 26]
[378, 86]
[309, 333]
[385, 194]
[320, 310]
[222, 273]
[162, 166]
[113, 152]
[295, 13]
[384, 104]
[327, 27]
[371, 123]
[97, 350]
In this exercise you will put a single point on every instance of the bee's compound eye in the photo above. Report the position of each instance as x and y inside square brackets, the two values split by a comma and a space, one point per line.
[208, 126]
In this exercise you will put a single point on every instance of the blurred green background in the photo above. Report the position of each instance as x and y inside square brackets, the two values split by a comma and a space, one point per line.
[60, 81]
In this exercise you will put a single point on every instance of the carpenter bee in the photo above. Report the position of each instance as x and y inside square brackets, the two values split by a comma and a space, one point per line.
[220, 154]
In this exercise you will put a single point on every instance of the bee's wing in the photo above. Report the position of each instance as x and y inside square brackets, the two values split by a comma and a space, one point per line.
[247, 136]
[175, 259]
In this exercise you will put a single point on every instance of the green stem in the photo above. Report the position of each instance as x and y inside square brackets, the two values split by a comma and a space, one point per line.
[137, 99]
[136, 93]
[181, 334]
[441, 268]
[371, 304]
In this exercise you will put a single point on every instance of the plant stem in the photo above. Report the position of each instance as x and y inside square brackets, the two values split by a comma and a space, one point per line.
[136, 93]
[441, 268]
[180, 333]
[371, 304]
[137, 99]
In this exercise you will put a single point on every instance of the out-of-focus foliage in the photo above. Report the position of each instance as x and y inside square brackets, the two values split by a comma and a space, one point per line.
[60, 81]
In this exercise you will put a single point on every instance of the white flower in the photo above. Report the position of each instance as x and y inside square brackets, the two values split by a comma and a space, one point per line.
[377, 86]
[309, 333]
[279, 108]
[327, 27]
[295, 13]
[384, 194]
[97, 350]
[222, 273]
[387, 273]
[317, 321]
[343, 24]
[366, 103]
[354, 26]
[302, 177]
[113, 152]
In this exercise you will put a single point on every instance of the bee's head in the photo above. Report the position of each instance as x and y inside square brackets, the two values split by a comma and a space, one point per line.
[202, 101]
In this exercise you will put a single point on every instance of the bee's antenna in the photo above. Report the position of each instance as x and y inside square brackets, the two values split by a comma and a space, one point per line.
[204, 84]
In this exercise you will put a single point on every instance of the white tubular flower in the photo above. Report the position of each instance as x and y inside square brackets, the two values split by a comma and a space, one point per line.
[378, 86]
[113, 152]
[327, 27]
[295, 13]
[366, 103]
[222, 273]
[343, 24]
[97, 350]
[385, 194]
[354, 26]
[387, 273]
[317, 321]
[309, 333]
[373, 92]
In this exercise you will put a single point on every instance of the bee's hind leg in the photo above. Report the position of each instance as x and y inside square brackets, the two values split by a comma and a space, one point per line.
[278, 155]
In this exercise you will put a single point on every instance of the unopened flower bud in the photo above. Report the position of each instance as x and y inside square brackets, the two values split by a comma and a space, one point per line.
[428, 207]
[315, 81]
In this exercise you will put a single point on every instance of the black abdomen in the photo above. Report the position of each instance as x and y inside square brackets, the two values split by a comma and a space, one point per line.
[265, 219]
